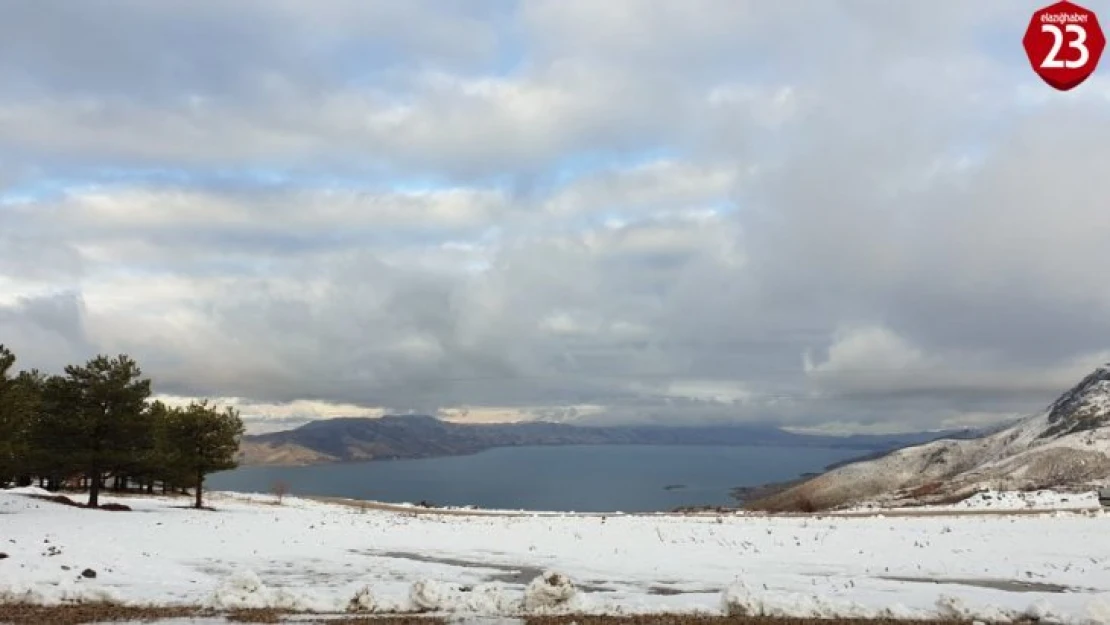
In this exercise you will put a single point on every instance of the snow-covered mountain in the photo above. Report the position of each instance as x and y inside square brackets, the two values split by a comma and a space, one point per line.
[1065, 446]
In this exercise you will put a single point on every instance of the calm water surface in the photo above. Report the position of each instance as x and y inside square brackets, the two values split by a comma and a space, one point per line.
[597, 478]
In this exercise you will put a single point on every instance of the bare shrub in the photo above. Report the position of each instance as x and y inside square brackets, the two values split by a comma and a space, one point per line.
[279, 489]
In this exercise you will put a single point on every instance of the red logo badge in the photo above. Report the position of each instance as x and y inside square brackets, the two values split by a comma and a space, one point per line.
[1064, 43]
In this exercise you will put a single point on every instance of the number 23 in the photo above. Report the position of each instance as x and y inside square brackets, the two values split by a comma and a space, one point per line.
[1079, 43]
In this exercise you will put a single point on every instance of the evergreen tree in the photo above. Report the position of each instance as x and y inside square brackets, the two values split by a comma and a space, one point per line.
[14, 419]
[19, 399]
[98, 411]
[203, 439]
[163, 462]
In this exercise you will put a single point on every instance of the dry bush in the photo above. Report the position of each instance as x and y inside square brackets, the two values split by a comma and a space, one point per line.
[805, 498]
[279, 489]
[62, 499]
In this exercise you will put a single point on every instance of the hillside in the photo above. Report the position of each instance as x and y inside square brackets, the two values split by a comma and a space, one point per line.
[1065, 446]
[392, 437]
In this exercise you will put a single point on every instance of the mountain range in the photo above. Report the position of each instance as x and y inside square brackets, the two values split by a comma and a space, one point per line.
[393, 437]
[1065, 446]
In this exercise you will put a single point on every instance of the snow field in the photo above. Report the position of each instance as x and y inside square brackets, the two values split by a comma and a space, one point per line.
[306, 555]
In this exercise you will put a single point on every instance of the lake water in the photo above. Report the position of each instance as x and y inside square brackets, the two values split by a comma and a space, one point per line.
[597, 478]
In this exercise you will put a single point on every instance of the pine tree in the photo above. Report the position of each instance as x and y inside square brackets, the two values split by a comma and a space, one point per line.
[163, 462]
[97, 411]
[14, 419]
[203, 439]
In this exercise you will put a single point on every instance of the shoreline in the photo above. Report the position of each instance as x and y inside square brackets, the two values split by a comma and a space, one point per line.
[916, 512]
[409, 509]
[868, 453]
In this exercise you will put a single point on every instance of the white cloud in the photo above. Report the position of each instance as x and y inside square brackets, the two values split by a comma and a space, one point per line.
[520, 211]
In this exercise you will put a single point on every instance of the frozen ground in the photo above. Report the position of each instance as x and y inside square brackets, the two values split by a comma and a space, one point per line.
[330, 558]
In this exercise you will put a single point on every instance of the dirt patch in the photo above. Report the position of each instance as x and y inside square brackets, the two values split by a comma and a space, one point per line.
[387, 620]
[932, 488]
[66, 501]
[62, 499]
[698, 619]
[22, 614]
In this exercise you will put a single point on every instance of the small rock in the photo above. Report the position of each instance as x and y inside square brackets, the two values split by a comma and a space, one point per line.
[65, 567]
[88, 573]
[3, 555]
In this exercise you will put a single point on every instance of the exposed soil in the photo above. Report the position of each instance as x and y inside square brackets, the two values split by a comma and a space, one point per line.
[66, 501]
[692, 619]
[23, 614]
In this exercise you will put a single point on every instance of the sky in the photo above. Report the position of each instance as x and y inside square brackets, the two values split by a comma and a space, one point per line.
[838, 216]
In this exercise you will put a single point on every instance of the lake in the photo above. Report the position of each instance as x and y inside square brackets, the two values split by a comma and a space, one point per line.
[587, 478]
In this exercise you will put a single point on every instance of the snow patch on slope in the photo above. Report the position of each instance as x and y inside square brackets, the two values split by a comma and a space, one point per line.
[1066, 447]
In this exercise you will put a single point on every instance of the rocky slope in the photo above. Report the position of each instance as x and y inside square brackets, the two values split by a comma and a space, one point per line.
[1065, 446]
[349, 439]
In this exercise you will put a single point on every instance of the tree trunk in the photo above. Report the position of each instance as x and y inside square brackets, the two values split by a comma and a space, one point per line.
[150, 486]
[94, 488]
[200, 485]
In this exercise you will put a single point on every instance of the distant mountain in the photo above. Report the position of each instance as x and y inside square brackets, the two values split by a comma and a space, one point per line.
[392, 437]
[1065, 446]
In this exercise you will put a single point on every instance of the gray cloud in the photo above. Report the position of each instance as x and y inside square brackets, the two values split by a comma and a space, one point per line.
[716, 211]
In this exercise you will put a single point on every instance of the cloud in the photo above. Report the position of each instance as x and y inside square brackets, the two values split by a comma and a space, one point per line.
[875, 217]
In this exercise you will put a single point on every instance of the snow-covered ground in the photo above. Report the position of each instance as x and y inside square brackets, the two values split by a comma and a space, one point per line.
[331, 558]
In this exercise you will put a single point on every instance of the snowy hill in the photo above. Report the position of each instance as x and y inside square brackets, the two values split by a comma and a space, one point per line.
[1065, 446]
